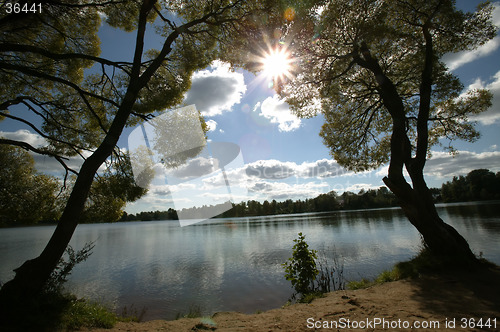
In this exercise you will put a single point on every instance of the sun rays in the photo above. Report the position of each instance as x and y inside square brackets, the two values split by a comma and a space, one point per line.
[276, 63]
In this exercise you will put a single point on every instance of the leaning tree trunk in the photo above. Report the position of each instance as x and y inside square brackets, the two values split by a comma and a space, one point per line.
[31, 277]
[416, 201]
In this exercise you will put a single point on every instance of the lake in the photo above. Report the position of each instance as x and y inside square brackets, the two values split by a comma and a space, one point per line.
[235, 264]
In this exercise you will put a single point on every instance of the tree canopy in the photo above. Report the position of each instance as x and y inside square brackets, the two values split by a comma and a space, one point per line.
[26, 196]
[354, 57]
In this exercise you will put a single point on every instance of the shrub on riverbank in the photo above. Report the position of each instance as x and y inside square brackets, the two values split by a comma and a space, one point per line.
[312, 277]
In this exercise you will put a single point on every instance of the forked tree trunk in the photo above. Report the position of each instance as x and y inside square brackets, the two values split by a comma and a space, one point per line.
[439, 237]
[416, 200]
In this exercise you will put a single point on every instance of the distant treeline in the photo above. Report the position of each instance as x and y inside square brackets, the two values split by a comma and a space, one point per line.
[379, 198]
[480, 184]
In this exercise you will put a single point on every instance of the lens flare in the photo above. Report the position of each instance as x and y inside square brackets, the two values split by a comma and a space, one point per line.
[276, 63]
[289, 14]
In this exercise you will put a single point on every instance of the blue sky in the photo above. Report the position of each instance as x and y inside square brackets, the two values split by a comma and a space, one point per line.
[241, 108]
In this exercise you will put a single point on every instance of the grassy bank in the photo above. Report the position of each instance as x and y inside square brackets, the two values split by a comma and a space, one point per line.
[423, 264]
[62, 312]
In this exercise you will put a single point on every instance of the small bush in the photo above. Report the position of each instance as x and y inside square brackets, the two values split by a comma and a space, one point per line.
[311, 276]
[301, 268]
[53, 310]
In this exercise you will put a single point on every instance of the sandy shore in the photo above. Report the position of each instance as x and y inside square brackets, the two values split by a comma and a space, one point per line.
[434, 302]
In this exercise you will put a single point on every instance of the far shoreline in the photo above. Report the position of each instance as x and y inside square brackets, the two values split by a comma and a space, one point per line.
[438, 205]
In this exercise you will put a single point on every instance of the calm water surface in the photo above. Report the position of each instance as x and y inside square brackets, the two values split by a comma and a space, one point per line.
[235, 264]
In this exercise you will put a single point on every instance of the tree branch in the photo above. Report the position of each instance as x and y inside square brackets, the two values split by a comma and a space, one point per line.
[81, 92]
[11, 47]
[29, 147]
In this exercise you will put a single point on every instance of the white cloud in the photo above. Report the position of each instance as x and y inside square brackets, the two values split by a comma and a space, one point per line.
[216, 91]
[492, 115]
[280, 190]
[278, 111]
[195, 168]
[280, 180]
[49, 165]
[496, 14]
[275, 169]
[24, 135]
[356, 187]
[444, 165]
[321, 168]
[212, 125]
[456, 60]
[271, 169]
[270, 179]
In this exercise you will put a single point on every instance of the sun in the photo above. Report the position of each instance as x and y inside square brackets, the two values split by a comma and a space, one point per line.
[276, 63]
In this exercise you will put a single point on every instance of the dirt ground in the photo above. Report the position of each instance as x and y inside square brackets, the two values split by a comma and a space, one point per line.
[448, 302]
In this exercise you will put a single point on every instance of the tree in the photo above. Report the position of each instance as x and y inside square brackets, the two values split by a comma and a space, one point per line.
[374, 70]
[43, 57]
[26, 197]
[479, 184]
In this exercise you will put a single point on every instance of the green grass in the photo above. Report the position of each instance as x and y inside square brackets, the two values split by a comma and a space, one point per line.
[84, 313]
[194, 312]
[309, 297]
[59, 312]
[423, 263]
[131, 314]
[359, 284]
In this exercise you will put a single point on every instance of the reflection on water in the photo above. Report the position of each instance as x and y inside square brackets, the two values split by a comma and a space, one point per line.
[235, 264]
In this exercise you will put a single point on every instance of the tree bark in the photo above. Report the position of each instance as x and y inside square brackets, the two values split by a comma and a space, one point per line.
[439, 237]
